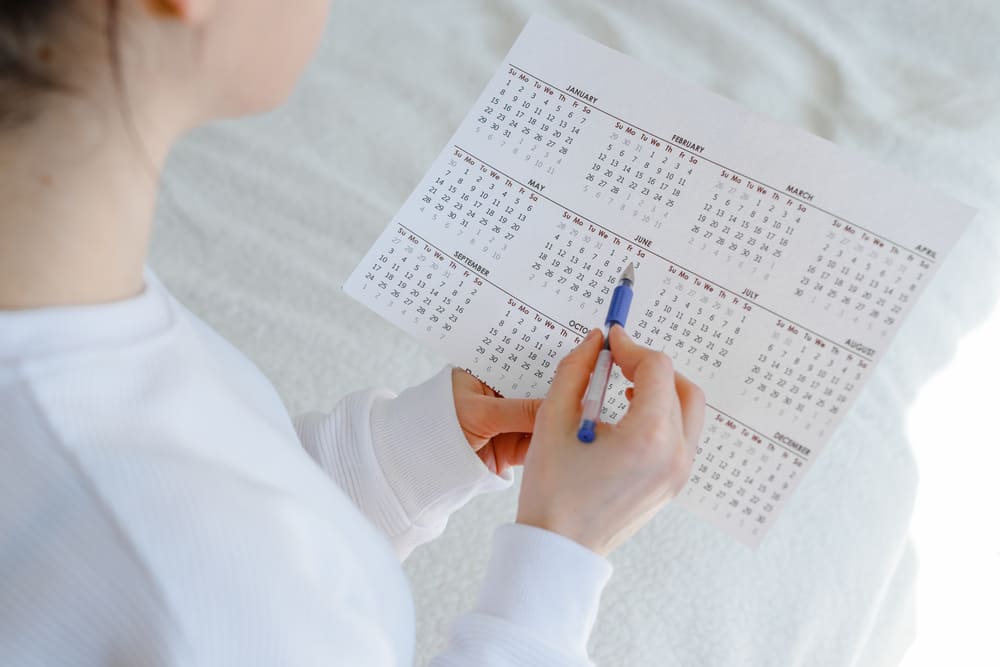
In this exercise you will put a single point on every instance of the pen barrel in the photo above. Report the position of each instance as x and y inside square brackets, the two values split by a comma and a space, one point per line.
[593, 399]
[621, 299]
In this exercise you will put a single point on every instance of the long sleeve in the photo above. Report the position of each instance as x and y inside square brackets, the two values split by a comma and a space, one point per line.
[403, 460]
[537, 604]
[120, 413]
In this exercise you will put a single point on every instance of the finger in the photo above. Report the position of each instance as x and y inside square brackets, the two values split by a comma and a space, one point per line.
[508, 415]
[629, 392]
[488, 456]
[572, 375]
[463, 380]
[651, 373]
[625, 351]
[510, 449]
[692, 402]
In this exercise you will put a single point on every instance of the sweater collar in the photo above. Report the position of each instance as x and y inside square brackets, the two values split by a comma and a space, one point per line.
[37, 332]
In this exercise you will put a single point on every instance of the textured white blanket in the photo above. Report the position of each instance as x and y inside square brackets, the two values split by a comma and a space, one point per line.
[264, 219]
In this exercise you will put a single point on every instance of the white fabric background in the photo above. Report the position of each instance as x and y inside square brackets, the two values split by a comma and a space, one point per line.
[263, 219]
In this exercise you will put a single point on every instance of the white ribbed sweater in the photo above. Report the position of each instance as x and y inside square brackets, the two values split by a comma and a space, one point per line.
[158, 506]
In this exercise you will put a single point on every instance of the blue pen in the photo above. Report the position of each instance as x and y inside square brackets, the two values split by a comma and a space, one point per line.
[593, 399]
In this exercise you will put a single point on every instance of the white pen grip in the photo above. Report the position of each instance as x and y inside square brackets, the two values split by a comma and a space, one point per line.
[593, 399]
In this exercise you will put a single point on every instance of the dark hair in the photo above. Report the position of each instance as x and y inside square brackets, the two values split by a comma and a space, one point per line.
[22, 63]
[26, 73]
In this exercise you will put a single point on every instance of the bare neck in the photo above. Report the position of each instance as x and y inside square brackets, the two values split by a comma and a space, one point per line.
[78, 191]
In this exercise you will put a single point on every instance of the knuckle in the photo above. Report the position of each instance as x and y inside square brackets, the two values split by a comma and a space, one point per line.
[567, 364]
[662, 361]
[660, 426]
[662, 420]
[563, 364]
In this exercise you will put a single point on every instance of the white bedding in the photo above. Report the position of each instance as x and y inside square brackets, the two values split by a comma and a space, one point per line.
[265, 218]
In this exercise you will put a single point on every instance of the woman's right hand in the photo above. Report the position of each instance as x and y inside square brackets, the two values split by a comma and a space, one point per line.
[600, 494]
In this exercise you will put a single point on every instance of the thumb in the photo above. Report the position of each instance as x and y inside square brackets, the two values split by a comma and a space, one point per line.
[651, 372]
[509, 415]
[625, 351]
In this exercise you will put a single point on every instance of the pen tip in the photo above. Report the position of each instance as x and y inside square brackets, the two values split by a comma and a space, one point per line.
[629, 273]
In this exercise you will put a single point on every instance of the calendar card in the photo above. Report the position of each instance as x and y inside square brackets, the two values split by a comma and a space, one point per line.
[772, 266]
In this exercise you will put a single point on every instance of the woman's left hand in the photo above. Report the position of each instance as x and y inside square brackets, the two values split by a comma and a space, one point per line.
[498, 429]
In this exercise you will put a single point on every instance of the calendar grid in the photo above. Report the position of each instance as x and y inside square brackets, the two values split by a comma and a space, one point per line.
[802, 201]
[486, 280]
[790, 450]
[652, 252]
[516, 251]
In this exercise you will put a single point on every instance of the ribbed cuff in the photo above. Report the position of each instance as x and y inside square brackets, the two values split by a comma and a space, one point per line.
[424, 454]
[546, 582]
[341, 443]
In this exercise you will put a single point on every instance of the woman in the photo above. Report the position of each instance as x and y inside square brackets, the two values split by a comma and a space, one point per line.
[157, 503]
